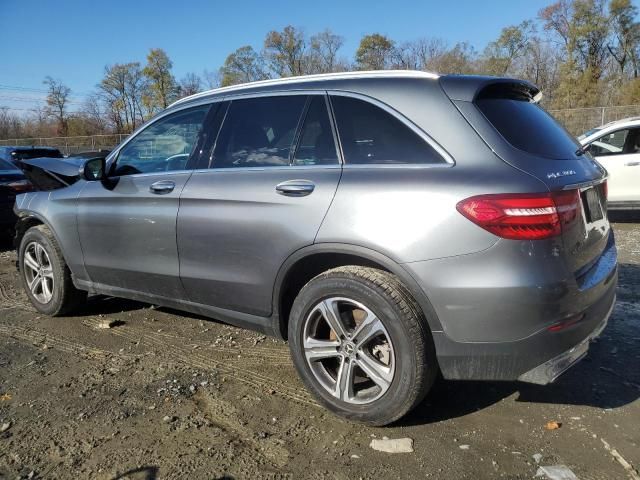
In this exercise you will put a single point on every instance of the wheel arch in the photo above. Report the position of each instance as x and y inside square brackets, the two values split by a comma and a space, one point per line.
[32, 219]
[306, 263]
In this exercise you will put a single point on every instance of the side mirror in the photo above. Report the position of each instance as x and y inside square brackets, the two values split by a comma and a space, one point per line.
[94, 169]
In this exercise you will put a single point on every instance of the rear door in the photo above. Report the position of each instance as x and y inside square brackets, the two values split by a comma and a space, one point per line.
[619, 153]
[127, 224]
[259, 196]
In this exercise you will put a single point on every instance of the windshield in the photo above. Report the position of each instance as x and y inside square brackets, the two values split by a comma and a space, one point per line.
[588, 133]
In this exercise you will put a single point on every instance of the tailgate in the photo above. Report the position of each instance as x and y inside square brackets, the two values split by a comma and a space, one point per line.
[506, 114]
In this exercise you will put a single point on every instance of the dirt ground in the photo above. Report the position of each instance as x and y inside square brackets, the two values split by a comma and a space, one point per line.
[171, 395]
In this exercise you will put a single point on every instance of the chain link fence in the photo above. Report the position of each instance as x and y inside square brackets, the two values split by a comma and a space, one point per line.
[580, 120]
[576, 120]
[70, 145]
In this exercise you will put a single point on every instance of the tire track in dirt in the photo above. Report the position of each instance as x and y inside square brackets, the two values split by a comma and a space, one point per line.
[10, 298]
[276, 355]
[227, 417]
[36, 337]
[206, 362]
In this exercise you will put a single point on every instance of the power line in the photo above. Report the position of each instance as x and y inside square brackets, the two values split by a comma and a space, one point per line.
[33, 100]
[30, 89]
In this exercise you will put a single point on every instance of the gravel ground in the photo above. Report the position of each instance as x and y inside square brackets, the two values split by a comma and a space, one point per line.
[162, 394]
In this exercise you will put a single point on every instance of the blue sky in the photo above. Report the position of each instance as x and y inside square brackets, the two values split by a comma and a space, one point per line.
[74, 39]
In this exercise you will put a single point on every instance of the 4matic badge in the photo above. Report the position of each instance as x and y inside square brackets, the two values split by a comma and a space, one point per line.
[561, 173]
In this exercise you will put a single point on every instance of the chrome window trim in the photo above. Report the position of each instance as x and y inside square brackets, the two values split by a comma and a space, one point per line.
[287, 168]
[449, 161]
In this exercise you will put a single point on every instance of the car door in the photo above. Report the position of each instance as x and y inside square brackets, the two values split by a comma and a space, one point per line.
[619, 153]
[269, 181]
[127, 223]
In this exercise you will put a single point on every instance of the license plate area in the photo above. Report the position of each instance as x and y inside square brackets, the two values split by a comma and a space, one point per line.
[592, 204]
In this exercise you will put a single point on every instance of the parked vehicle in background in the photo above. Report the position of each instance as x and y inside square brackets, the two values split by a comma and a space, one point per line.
[12, 182]
[15, 155]
[616, 146]
[391, 225]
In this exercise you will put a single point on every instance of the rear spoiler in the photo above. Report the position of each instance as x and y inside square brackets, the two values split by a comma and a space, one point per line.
[468, 88]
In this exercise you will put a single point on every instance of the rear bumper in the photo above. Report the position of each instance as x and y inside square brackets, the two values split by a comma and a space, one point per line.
[508, 316]
[550, 370]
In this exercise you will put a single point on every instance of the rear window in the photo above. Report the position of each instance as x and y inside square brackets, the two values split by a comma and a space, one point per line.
[35, 153]
[525, 125]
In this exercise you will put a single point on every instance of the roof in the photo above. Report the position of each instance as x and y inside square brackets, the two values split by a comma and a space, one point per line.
[301, 80]
[622, 120]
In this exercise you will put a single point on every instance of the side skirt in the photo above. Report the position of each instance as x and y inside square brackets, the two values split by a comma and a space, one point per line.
[266, 325]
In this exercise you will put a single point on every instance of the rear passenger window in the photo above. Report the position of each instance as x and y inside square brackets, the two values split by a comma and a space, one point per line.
[370, 135]
[316, 145]
[258, 132]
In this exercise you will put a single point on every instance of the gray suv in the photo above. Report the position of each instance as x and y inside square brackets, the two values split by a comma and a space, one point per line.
[390, 225]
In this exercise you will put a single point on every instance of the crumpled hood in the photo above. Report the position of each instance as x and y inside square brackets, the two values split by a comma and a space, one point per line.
[53, 173]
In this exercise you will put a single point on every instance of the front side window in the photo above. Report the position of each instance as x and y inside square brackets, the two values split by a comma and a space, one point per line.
[620, 142]
[370, 135]
[258, 132]
[164, 146]
[316, 145]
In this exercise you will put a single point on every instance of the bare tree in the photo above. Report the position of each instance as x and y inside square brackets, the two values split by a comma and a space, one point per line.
[57, 102]
[190, 85]
[286, 51]
[123, 90]
[323, 55]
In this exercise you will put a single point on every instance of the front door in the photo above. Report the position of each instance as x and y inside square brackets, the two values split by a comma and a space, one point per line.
[272, 175]
[127, 224]
[619, 153]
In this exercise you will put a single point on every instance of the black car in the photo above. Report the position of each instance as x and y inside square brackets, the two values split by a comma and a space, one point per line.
[15, 155]
[12, 182]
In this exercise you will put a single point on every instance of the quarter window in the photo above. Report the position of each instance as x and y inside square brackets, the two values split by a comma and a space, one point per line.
[370, 135]
[316, 145]
[258, 132]
[163, 146]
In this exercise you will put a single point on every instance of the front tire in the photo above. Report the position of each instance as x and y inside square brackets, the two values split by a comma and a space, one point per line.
[361, 344]
[45, 275]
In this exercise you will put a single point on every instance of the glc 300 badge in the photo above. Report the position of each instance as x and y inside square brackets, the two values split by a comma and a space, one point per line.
[562, 173]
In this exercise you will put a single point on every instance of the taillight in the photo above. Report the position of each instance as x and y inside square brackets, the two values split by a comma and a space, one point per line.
[605, 190]
[523, 216]
[20, 186]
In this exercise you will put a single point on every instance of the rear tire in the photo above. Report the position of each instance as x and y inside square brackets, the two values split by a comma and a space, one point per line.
[378, 361]
[45, 275]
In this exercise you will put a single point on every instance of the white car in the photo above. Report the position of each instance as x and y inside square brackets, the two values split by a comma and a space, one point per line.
[616, 146]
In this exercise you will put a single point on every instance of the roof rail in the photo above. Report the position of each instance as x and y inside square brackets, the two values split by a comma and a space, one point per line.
[311, 78]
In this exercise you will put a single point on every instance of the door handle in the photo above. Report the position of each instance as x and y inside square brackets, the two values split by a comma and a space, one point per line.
[162, 187]
[633, 164]
[295, 188]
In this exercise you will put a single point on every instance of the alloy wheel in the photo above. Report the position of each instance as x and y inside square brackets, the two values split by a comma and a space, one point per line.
[348, 350]
[38, 272]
